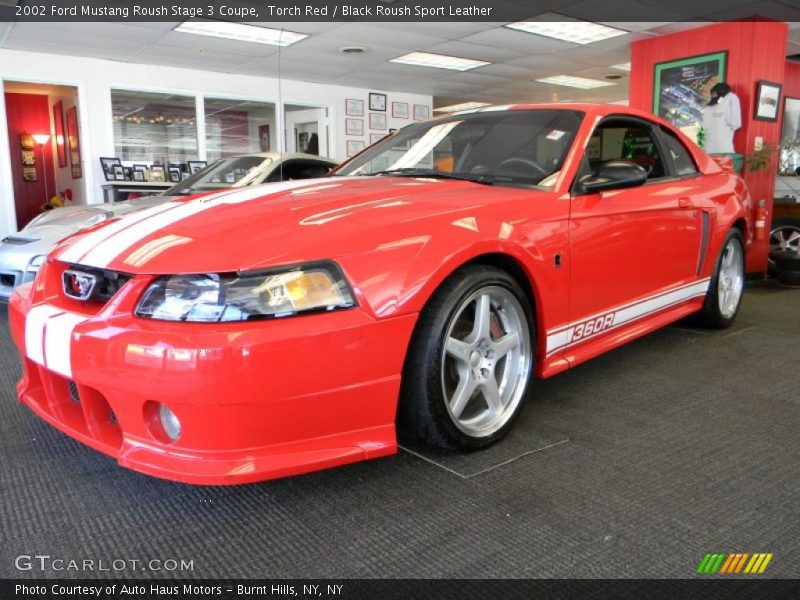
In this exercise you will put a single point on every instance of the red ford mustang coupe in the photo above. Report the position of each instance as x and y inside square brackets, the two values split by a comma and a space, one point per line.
[271, 331]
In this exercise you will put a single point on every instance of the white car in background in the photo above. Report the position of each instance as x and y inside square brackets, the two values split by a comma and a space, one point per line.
[21, 254]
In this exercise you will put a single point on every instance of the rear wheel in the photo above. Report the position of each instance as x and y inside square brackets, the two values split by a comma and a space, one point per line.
[784, 247]
[469, 362]
[727, 285]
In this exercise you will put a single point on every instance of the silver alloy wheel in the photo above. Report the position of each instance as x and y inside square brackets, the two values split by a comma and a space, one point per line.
[785, 238]
[486, 361]
[730, 282]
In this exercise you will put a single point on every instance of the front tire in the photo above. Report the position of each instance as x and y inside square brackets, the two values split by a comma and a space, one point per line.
[469, 362]
[726, 288]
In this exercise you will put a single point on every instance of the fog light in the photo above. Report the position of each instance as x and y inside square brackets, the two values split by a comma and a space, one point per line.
[170, 422]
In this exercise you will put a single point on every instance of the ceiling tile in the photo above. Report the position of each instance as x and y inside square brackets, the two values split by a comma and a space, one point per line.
[476, 51]
[519, 41]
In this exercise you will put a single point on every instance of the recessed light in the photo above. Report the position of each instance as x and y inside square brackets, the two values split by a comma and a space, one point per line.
[241, 32]
[576, 82]
[577, 32]
[352, 49]
[438, 61]
[622, 67]
[462, 106]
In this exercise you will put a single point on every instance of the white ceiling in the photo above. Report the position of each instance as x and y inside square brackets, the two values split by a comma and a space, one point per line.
[517, 58]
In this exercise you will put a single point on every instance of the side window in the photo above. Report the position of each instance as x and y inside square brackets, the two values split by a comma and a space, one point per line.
[681, 157]
[299, 169]
[619, 139]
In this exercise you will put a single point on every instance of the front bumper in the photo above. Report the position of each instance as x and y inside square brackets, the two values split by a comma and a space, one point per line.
[256, 401]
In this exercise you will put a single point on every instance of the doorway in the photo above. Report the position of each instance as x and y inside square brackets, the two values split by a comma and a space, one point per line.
[44, 145]
[306, 129]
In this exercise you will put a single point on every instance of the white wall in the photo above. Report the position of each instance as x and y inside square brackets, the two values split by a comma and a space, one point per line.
[95, 78]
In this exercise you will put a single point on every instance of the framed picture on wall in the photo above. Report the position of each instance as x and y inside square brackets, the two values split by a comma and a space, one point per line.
[74, 143]
[421, 112]
[354, 147]
[377, 101]
[198, 165]
[58, 126]
[400, 110]
[28, 158]
[768, 98]
[354, 126]
[353, 107]
[29, 174]
[263, 138]
[682, 89]
[376, 137]
[377, 121]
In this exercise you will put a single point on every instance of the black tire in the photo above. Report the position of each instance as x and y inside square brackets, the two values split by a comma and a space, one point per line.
[710, 315]
[779, 223]
[787, 267]
[422, 410]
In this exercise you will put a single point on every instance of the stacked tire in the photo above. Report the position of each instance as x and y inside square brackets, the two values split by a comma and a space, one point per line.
[784, 255]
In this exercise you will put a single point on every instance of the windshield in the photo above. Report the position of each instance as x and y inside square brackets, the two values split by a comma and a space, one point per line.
[226, 173]
[492, 147]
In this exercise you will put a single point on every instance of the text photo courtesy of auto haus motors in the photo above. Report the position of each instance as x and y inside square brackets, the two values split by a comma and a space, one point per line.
[399, 299]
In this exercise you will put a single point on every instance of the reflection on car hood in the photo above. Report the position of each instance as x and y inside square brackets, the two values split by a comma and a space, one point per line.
[278, 224]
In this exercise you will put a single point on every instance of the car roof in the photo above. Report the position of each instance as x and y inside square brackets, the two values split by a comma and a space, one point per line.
[276, 156]
[589, 108]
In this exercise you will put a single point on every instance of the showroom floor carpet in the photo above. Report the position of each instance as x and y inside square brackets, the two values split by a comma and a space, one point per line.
[633, 465]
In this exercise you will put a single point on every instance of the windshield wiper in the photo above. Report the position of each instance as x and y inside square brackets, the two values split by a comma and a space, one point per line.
[415, 172]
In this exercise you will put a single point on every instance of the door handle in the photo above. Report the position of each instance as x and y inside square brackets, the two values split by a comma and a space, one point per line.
[685, 202]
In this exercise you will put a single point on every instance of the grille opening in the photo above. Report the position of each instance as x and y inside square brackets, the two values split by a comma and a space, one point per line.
[73, 392]
[8, 279]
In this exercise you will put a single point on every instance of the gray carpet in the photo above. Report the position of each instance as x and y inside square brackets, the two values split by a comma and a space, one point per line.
[682, 443]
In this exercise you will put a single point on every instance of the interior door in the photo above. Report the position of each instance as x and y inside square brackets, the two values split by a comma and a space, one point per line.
[631, 245]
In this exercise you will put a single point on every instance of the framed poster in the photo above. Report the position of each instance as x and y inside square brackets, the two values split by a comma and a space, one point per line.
[354, 126]
[58, 125]
[400, 110]
[263, 137]
[377, 121]
[74, 143]
[421, 112]
[377, 101]
[354, 147]
[768, 98]
[354, 108]
[682, 89]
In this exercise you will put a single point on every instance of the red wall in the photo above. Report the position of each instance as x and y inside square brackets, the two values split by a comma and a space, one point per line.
[756, 50]
[29, 113]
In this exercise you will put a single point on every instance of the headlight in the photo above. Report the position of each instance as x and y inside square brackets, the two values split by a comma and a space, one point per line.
[277, 293]
[94, 220]
[36, 263]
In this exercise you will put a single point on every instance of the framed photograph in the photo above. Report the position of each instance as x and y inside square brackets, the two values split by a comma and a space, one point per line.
[768, 98]
[376, 137]
[74, 143]
[354, 126]
[119, 173]
[29, 174]
[263, 138]
[174, 174]
[28, 158]
[354, 147]
[377, 121]
[128, 173]
[421, 112]
[139, 174]
[108, 165]
[377, 101]
[58, 125]
[682, 89]
[400, 110]
[26, 141]
[196, 166]
[157, 174]
[354, 108]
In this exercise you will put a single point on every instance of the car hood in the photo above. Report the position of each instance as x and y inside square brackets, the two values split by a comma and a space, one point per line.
[275, 224]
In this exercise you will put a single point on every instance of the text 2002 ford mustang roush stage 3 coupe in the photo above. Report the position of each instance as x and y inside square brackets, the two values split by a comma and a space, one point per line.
[275, 330]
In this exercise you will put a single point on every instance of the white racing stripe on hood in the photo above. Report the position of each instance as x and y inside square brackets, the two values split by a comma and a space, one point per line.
[106, 250]
[74, 253]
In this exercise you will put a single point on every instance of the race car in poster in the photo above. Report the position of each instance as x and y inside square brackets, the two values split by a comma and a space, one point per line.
[271, 331]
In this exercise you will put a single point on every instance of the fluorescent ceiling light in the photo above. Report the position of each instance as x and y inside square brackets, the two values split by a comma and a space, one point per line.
[241, 32]
[438, 61]
[462, 106]
[576, 82]
[622, 67]
[577, 32]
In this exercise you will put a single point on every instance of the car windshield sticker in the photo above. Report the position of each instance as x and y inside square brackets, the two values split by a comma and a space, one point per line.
[556, 134]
